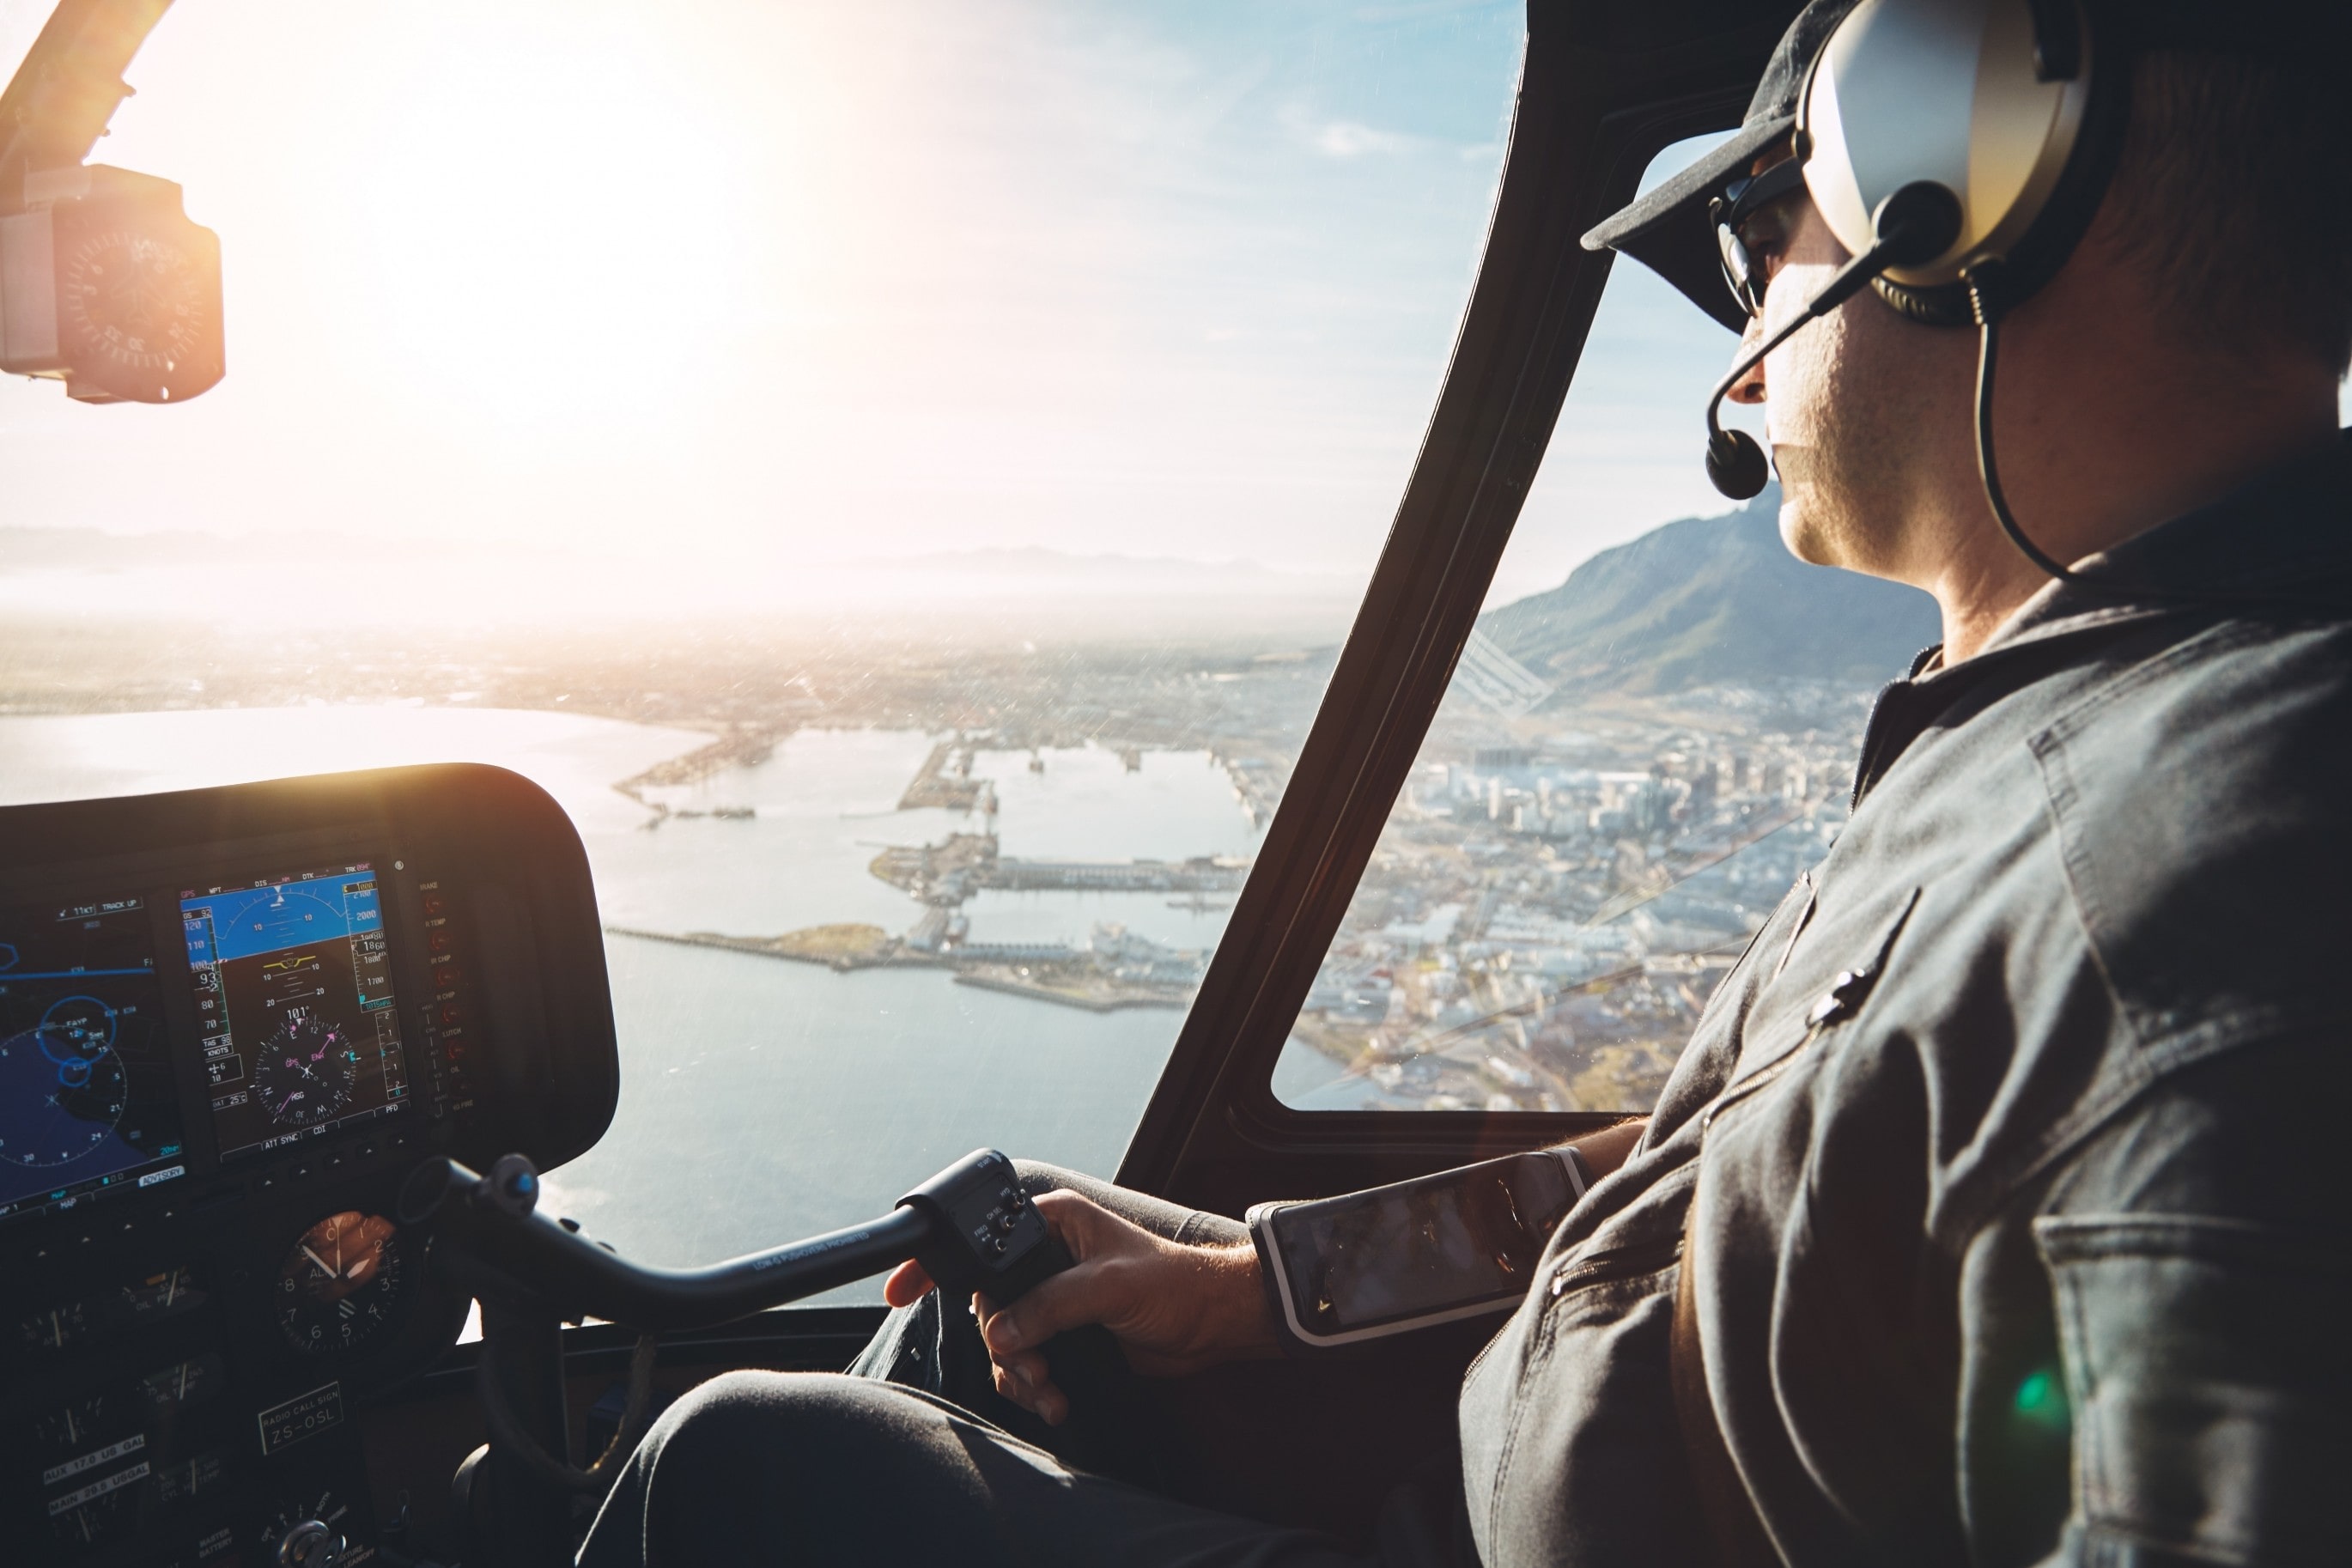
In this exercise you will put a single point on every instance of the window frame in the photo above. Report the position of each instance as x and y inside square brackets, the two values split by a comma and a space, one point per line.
[1601, 92]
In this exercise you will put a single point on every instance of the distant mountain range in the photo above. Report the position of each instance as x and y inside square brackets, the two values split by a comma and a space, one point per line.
[1712, 601]
[997, 569]
[1036, 566]
[984, 595]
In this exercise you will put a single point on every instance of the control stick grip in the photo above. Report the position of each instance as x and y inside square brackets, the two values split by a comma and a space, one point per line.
[987, 1236]
[1103, 1431]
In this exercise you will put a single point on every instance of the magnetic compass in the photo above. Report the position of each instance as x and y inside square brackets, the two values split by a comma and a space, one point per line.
[131, 288]
[133, 296]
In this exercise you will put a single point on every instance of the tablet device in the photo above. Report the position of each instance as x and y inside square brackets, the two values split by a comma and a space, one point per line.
[1388, 1261]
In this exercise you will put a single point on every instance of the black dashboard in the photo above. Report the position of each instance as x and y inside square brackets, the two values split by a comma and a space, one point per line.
[231, 1022]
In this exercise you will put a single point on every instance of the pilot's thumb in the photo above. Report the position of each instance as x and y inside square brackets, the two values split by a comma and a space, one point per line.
[1079, 1223]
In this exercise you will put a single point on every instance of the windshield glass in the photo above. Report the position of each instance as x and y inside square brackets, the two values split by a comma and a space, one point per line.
[897, 473]
[1652, 731]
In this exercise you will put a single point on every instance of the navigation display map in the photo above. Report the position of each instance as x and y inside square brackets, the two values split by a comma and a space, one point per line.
[87, 1103]
[294, 1001]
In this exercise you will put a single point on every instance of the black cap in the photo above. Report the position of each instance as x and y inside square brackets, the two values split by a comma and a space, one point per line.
[1667, 230]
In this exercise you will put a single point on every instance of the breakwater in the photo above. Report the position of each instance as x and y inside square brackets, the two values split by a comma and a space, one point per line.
[741, 746]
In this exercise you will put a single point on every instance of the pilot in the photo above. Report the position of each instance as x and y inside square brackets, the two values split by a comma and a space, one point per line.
[1995, 1212]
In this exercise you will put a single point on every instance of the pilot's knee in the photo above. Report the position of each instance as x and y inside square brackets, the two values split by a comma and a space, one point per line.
[814, 1459]
[768, 1410]
[771, 1428]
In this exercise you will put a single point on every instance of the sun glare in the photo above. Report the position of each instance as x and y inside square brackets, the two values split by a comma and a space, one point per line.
[780, 286]
[552, 250]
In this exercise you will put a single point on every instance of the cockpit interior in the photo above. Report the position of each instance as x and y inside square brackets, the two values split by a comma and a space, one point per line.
[336, 1226]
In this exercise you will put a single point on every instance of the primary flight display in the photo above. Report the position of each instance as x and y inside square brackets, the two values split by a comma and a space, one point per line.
[294, 1003]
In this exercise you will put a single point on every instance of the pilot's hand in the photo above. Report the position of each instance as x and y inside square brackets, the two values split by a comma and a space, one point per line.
[1174, 1308]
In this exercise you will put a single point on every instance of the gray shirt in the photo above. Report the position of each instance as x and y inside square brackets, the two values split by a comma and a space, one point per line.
[2011, 1152]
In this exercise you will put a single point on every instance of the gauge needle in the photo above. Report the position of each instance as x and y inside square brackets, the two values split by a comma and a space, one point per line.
[330, 1269]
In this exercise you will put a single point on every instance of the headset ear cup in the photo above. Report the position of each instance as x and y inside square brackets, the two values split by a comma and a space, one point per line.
[2039, 226]
[2075, 200]
[1943, 307]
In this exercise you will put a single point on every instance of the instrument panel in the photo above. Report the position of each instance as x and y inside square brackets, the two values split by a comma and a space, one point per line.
[231, 1022]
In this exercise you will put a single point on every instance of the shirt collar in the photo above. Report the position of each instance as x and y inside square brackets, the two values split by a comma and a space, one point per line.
[2283, 539]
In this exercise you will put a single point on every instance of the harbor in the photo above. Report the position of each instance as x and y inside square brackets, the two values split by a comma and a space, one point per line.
[1113, 967]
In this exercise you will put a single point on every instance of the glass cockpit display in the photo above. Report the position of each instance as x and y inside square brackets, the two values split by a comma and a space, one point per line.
[88, 1102]
[294, 1005]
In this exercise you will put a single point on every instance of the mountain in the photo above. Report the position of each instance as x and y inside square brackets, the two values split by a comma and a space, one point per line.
[1712, 601]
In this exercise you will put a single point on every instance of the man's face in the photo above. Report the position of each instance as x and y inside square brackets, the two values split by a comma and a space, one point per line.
[1861, 408]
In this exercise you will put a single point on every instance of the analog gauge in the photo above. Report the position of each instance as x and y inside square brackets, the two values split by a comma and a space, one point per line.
[305, 1072]
[98, 1510]
[190, 1476]
[58, 1327]
[162, 1295]
[183, 1384]
[73, 1426]
[340, 1286]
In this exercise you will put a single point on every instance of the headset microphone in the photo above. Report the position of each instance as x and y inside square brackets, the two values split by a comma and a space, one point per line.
[1911, 227]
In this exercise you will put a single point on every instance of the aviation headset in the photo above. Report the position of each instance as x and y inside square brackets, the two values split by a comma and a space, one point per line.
[1958, 149]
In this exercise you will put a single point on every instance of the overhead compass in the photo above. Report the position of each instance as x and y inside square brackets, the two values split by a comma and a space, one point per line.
[304, 1073]
[134, 290]
[136, 298]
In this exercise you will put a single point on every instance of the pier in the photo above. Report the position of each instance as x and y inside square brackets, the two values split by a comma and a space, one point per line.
[945, 781]
[1115, 968]
[1065, 976]
[1203, 874]
[743, 746]
[837, 947]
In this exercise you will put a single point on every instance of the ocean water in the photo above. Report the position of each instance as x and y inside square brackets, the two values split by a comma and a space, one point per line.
[761, 1100]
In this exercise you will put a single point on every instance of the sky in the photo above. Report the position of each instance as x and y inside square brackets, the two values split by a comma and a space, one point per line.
[627, 290]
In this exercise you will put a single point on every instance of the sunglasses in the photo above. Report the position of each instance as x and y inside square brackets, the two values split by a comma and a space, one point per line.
[1732, 211]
